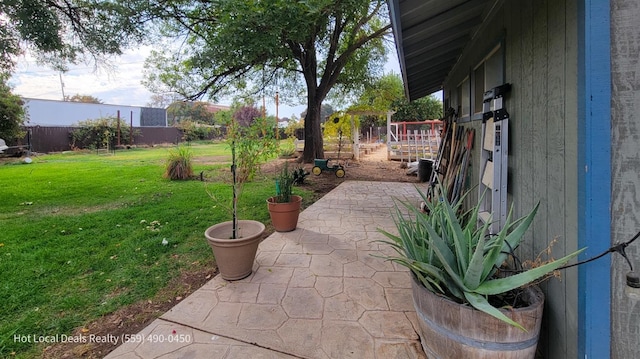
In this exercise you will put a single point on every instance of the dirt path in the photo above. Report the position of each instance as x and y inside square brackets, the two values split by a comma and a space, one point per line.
[376, 167]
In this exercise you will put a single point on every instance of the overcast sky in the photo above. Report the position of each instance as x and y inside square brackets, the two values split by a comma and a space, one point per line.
[119, 86]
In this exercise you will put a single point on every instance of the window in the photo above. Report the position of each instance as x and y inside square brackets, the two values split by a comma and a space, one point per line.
[478, 88]
[447, 101]
[464, 100]
[488, 74]
[494, 69]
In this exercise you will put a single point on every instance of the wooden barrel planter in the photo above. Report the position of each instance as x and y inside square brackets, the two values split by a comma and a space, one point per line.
[453, 330]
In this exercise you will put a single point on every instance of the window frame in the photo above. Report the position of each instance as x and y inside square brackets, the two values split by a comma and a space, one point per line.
[460, 91]
[500, 69]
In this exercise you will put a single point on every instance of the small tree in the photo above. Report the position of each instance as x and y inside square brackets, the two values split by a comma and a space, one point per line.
[250, 145]
[12, 114]
[253, 139]
[339, 124]
[246, 115]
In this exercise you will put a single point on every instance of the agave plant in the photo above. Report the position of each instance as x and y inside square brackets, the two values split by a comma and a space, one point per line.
[450, 253]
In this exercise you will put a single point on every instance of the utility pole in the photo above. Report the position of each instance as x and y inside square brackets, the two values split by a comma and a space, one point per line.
[277, 118]
[64, 98]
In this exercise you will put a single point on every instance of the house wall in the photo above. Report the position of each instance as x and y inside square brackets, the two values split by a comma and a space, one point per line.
[625, 159]
[64, 113]
[539, 39]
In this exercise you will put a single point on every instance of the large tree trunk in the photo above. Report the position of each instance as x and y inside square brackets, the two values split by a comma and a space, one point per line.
[313, 146]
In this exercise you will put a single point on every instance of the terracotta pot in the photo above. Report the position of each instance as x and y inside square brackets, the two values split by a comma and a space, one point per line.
[235, 257]
[452, 330]
[284, 216]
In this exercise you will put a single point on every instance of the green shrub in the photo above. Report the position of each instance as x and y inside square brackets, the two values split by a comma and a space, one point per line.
[287, 148]
[293, 127]
[193, 131]
[254, 144]
[299, 174]
[179, 164]
[100, 133]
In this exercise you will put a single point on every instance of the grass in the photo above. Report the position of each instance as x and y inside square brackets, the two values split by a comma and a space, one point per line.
[82, 235]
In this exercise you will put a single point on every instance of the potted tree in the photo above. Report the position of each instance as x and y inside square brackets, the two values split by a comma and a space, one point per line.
[469, 304]
[235, 243]
[284, 207]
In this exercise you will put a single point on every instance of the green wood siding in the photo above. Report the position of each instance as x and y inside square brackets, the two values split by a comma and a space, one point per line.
[540, 44]
[625, 155]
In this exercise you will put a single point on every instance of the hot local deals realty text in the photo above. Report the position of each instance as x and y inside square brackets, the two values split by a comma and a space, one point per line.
[63, 338]
[108, 338]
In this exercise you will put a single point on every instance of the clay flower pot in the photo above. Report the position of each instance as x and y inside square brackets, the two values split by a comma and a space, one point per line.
[235, 257]
[284, 216]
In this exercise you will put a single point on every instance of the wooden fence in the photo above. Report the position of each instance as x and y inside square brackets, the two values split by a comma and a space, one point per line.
[410, 141]
[57, 139]
[412, 146]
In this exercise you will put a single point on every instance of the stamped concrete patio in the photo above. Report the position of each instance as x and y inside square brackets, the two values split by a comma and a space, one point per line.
[316, 292]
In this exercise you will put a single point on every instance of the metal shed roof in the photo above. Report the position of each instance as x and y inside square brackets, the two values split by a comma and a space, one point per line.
[430, 37]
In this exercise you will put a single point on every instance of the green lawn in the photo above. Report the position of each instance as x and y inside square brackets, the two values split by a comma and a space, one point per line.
[81, 235]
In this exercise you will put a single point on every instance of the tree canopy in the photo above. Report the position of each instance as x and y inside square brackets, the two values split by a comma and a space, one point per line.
[425, 108]
[304, 47]
[378, 96]
[11, 113]
[82, 98]
[382, 93]
[315, 45]
[325, 111]
[192, 111]
[63, 31]
[58, 32]
[386, 94]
